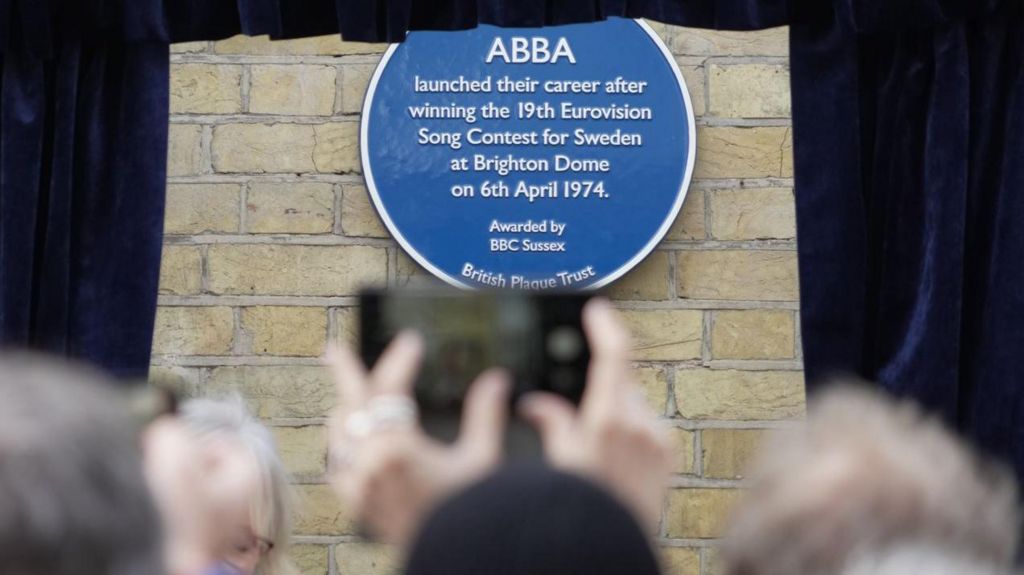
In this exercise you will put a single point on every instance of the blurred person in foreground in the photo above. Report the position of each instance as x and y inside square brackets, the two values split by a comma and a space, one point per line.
[590, 512]
[78, 496]
[259, 543]
[73, 497]
[919, 560]
[863, 474]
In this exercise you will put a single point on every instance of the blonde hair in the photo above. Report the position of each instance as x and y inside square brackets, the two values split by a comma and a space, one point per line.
[863, 473]
[271, 511]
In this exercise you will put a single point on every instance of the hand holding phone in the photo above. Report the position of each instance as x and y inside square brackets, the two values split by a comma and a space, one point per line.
[569, 357]
[385, 468]
[614, 437]
[536, 337]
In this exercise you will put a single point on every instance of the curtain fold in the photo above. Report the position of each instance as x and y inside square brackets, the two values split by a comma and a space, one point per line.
[38, 25]
[83, 150]
[909, 164]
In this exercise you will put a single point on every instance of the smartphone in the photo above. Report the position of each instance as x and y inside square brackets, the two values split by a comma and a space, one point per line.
[537, 337]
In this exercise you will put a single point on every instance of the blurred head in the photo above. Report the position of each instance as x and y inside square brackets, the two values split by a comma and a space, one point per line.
[259, 546]
[532, 520]
[73, 498]
[865, 472]
[918, 560]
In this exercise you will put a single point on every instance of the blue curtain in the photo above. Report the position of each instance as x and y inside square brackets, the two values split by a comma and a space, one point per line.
[908, 118]
[83, 144]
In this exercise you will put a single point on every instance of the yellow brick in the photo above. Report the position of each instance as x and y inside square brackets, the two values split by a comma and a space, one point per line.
[182, 381]
[305, 208]
[753, 214]
[188, 47]
[408, 273]
[295, 269]
[337, 148]
[184, 150]
[310, 559]
[749, 91]
[279, 330]
[680, 560]
[726, 453]
[698, 513]
[193, 331]
[355, 79]
[694, 76]
[689, 225]
[739, 395]
[662, 30]
[347, 321]
[752, 334]
[277, 391]
[263, 148]
[728, 152]
[713, 563]
[366, 559]
[665, 335]
[201, 208]
[206, 89]
[322, 45]
[683, 456]
[698, 42]
[647, 281]
[303, 449]
[181, 270]
[654, 384]
[737, 275]
[787, 154]
[298, 89]
[358, 216]
[319, 512]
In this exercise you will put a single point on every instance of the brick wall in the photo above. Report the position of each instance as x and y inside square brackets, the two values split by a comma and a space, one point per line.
[270, 232]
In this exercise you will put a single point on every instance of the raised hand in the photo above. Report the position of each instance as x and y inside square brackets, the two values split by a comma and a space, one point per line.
[383, 466]
[614, 437]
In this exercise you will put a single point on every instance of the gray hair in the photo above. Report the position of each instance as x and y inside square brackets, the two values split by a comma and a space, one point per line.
[918, 560]
[73, 497]
[271, 511]
[862, 473]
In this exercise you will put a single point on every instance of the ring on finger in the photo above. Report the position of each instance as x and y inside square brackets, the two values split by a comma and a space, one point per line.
[384, 412]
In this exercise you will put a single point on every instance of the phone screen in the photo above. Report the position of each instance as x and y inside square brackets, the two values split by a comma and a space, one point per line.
[537, 338]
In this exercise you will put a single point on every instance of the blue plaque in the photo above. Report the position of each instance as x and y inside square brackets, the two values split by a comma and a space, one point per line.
[547, 158]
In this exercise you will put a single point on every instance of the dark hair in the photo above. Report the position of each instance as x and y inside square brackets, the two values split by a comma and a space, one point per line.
[531, 520]
[73, 499]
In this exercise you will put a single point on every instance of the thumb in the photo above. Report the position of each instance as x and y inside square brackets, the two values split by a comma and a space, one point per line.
[485, 415]
[551, 414]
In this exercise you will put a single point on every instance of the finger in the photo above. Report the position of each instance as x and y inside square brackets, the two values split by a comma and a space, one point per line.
[636, 403]
[552, 415]
[396, 369]
[609, 348]
[349, 373]
[485, 415]
[606, 334]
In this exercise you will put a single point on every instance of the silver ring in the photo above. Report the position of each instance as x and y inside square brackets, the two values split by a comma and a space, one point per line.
[358, 424]
[388, 409]
[382, 413]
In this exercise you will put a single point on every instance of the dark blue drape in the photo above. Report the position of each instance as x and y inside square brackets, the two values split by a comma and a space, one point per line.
[907, 118]
[909, 163]
[83, 144]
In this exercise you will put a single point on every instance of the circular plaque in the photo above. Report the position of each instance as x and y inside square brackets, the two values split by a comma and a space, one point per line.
[547, 158]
